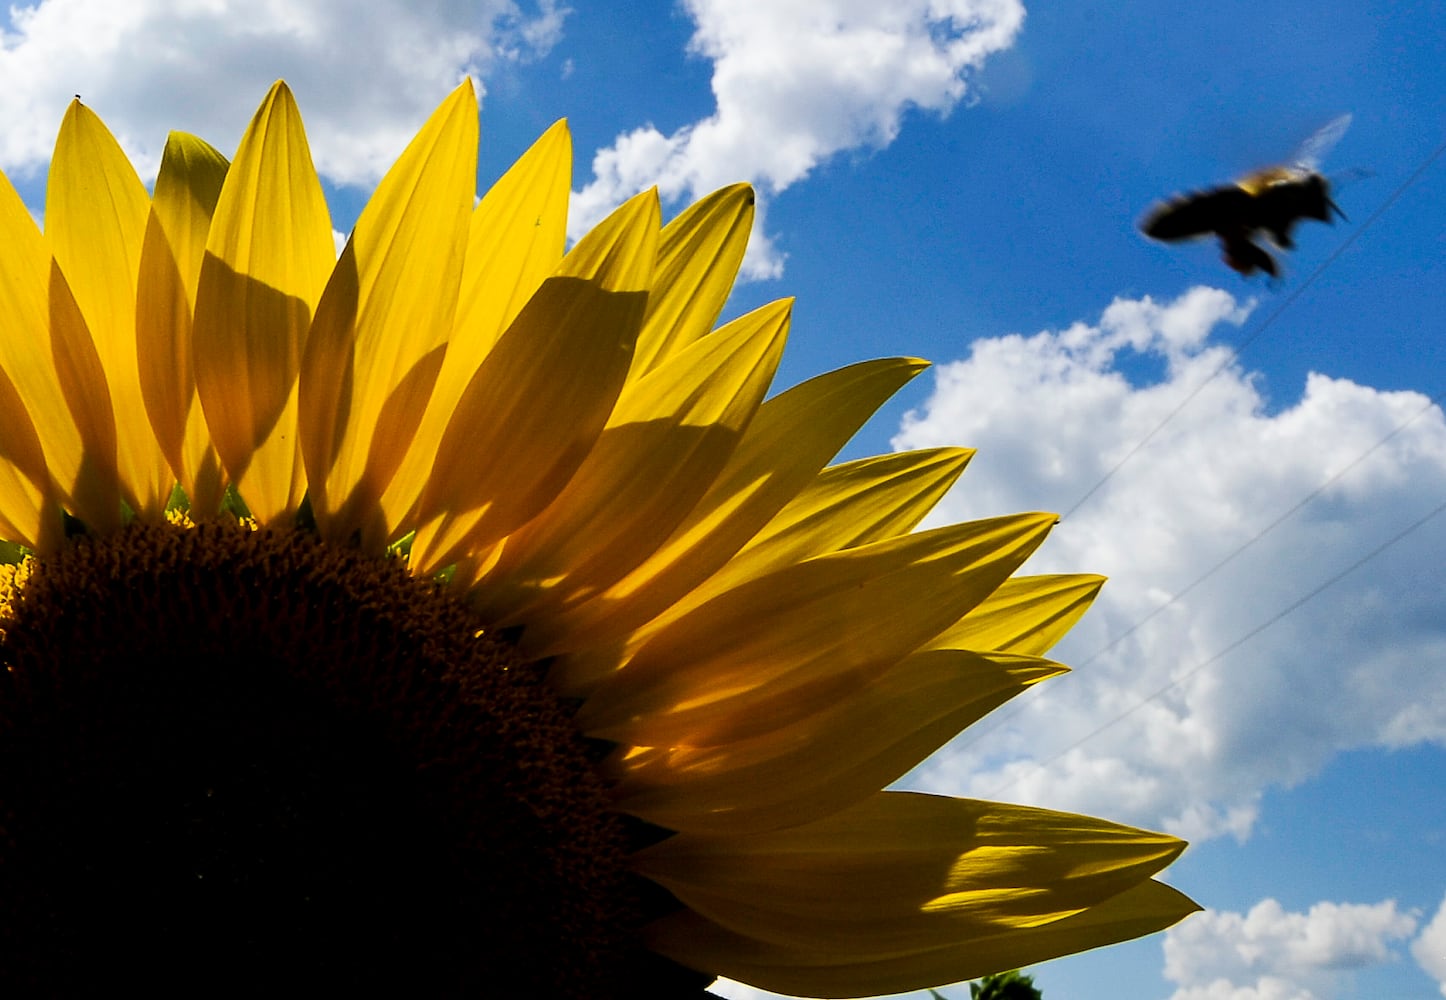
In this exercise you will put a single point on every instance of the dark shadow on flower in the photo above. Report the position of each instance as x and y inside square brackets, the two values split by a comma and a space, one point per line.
[163, 351]
[397, 425]
[20, 450]
[597, 531]
[251, 361]
[325, 400]
[536, 449]
[82, 381]
[166, 367]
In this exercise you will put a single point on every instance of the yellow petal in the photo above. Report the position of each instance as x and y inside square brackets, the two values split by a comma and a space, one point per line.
[793, 436]
[670, 435]
[537, 404]
[29, 508]
[515, 240]
[904, 873]
[847, 748]
[58, 379]
[842, 753]
[1026, 615]
[381, 329]
[95, 220]
[187, 188]
[847, 505]
[268, 256]
[855, 503]
[698, 258]
[765, 654]
[693, 941]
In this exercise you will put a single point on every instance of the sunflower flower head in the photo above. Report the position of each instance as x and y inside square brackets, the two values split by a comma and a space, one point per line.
[458, 613]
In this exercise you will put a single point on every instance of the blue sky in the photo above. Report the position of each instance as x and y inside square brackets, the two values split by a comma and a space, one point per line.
[1264, 673]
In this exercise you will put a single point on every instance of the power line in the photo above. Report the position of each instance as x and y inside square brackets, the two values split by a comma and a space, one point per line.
[1004, 718]
[1231, 647]
[1241, 549]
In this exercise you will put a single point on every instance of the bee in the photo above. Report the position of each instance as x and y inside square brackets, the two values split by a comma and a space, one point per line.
[1266, 202]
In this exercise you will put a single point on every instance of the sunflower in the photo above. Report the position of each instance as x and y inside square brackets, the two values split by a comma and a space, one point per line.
[459, 615]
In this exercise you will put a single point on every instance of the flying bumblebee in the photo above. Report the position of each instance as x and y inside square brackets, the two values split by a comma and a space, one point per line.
[1268, 202]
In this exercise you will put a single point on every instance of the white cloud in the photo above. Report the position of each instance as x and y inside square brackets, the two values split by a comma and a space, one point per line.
[1265, 988]
[1216, 700]
[795, 82]
[1429, 949]
[1274, 954]
[366, 75]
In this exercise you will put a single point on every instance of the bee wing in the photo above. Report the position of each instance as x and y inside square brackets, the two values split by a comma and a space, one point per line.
[1313, 150]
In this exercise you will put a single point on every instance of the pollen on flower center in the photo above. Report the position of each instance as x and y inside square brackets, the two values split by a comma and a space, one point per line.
[225, 753]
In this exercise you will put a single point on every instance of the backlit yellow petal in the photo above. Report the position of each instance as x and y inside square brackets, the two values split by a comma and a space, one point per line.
[846, 505]
[95, 219]
[903, 872]
[29, 507]
[49, 358]
[515, 240]
[793, 436]
[758, 657]
[694, 941]
[698, 258]
[268, 256]
[843, 752]
[540, 400]
[187, 188]
[670, 435]
[364, 385]
[1026, 615]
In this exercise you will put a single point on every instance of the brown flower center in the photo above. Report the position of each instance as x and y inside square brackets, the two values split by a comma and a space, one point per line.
[237, 761]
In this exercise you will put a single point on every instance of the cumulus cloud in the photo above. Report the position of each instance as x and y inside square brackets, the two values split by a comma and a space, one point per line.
[1271, 953]
[795, 82]
[366, 75]
[1259, 618]
[1429, 949]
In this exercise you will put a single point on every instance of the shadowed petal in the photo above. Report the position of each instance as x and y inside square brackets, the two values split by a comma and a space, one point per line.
[95, 220]
[268, 256]
[537, 404]
[58, 380]
[671, 434]
[363, 386]
[759, 656]
[824, 972]
[842, 752]
[515, 240]
[906, 872]
[793, 436]
[187, 187]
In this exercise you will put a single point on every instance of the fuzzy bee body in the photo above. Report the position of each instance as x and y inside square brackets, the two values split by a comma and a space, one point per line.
[1267, 203]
